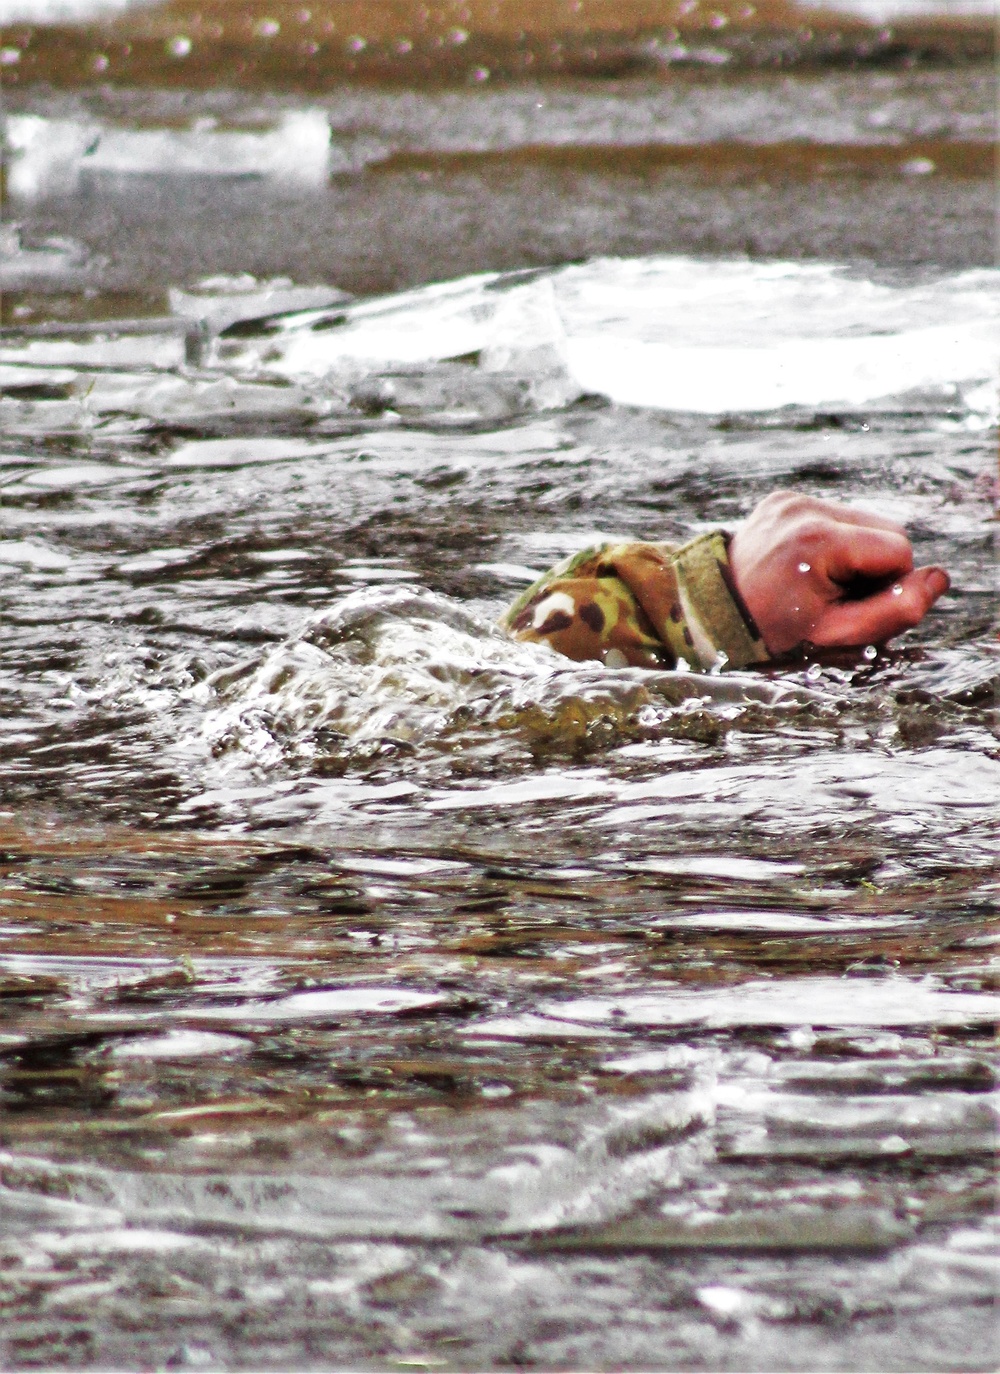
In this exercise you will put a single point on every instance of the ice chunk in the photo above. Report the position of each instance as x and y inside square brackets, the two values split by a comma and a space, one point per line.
[296, 150]
[49, 156]
[220, 302]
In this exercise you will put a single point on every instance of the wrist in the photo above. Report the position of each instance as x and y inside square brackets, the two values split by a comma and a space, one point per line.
[716, 609]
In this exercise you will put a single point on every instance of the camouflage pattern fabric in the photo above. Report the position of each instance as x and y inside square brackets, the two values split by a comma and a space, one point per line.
[642, 605]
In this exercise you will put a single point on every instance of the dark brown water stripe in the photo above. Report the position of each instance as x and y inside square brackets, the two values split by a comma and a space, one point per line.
[723, 159]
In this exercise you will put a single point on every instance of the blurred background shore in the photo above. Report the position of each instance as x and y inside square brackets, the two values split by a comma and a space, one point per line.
[379, 144]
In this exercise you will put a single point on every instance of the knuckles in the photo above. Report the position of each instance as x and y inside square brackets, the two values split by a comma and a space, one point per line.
[784, 502]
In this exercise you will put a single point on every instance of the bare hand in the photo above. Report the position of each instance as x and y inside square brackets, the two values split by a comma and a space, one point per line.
[816, 571]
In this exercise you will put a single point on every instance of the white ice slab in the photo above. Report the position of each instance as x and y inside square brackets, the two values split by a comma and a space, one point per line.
[683, 334]
[49, 156]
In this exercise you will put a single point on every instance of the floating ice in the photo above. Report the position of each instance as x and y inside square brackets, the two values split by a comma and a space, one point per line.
[49, 156]
[664, 333]
[681, 334]
[57, 258]
[222, 301]
[103, 349]
[45, 154]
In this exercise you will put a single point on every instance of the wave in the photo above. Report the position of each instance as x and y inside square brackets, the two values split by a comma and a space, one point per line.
[400, 669]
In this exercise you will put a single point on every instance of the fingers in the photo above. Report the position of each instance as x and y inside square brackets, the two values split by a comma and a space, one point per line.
[860, 550]
[884, 615]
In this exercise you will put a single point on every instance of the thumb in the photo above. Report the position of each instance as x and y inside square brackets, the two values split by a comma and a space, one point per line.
[880, 617]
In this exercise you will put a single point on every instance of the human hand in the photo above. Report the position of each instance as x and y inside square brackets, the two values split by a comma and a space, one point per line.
[832, 575]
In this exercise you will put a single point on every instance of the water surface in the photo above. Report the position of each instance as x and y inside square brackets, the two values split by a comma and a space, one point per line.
[379, 992]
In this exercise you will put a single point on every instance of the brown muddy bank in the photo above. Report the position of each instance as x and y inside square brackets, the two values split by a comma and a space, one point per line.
[287, 45]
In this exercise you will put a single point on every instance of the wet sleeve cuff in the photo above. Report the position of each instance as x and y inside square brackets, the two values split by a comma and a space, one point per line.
[719, 622]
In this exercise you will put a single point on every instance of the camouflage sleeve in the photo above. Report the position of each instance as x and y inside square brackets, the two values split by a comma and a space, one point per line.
[642, 605]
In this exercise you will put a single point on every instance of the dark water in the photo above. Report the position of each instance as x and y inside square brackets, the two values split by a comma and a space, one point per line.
[380, 993]
[381, 189]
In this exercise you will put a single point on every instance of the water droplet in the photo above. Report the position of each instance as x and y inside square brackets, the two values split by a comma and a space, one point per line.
[457, 36]
[267, 28]
[8, 56]
[480, 73]
[897, 590]
[403, 46]
[814, 672]
[805, 567]
[870, 652]
[356, 43]
[101, 63]
[179, 46]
